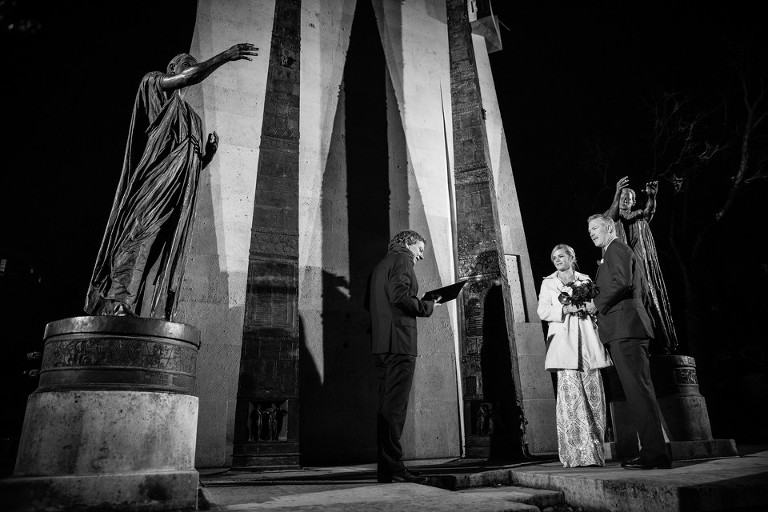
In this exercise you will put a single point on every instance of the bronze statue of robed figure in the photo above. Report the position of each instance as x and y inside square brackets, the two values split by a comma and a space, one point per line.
[140, 264]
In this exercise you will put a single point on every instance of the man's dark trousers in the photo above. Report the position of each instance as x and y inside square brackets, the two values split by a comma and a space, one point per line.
[630, 357]
[395, 374]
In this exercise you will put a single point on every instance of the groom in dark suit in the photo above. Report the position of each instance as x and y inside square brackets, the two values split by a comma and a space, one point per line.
[394, 306]
[625, 326]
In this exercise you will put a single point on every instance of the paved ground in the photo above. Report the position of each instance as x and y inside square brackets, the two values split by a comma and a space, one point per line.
[728, 484]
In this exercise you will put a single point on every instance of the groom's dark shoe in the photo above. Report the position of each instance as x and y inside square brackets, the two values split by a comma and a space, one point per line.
[641, 463]
[405, 476]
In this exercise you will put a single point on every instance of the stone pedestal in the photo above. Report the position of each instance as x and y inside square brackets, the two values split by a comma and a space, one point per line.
[112, 425]
[683, 410]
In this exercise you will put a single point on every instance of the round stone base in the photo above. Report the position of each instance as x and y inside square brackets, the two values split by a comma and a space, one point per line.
[115, 450]
[686, 417]
[102, 432]
[135, 491]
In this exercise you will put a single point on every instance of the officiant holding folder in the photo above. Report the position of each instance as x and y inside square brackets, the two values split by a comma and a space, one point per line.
[394, 305]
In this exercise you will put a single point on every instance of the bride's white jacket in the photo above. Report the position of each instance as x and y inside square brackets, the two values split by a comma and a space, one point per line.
[564, 331]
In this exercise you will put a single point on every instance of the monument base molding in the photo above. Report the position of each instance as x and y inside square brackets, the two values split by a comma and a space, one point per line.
[136, 491]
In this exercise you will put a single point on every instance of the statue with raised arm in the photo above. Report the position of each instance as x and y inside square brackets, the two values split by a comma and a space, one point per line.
[632, 228]
[141, 260]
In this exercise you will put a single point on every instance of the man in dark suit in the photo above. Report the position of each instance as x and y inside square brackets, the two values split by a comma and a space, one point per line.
[394, 306]
[625, 326]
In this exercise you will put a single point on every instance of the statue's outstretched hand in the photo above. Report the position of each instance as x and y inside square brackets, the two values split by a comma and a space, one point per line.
[241, 51]
[211, 146]
[651, 188]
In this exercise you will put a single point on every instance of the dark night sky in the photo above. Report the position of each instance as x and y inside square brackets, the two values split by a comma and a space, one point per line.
[581, 75]
[572, 75]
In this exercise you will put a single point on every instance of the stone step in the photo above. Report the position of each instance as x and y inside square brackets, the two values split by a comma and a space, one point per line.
[541, 498]
[715, 485]
[735, 483]
[375, 498]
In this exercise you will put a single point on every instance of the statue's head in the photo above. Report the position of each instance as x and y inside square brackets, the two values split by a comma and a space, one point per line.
[627, 199]
[180, 62]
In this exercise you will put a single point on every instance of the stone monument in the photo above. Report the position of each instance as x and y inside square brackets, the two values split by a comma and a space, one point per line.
[113, 422]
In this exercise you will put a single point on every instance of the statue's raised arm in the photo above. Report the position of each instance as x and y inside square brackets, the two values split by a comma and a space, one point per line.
[141, 260]
[651, 188]
[613, 212]
[184, 70]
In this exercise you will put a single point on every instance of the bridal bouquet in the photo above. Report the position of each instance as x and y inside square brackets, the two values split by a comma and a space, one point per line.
[578, 293]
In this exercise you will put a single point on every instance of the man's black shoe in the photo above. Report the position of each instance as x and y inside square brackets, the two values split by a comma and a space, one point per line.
[633, 460]
[640, 463]
[407, 476]
[401, 477]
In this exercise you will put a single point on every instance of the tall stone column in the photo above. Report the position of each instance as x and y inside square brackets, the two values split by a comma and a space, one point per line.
[266, 419]
[491, 411]
[508, 401]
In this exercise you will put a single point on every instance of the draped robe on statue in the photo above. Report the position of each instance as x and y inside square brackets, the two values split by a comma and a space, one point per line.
[633, 229]
[141, 259]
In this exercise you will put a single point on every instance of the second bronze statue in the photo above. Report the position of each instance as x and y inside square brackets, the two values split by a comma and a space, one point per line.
[633, 228]
[140, 264]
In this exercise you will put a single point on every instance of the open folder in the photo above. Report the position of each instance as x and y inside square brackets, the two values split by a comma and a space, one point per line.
[446, 293]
